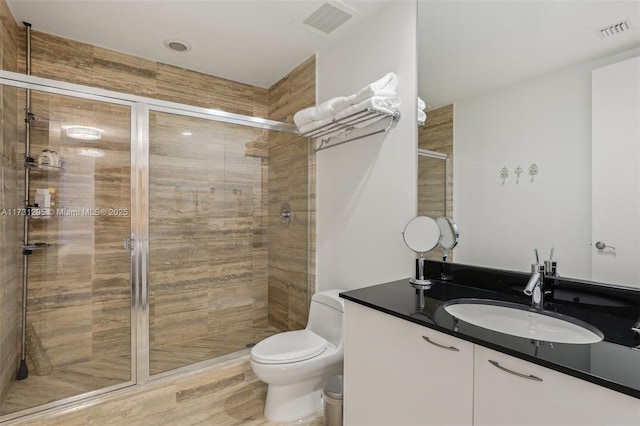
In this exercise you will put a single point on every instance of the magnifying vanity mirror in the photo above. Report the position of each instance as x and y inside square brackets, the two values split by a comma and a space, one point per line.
[449, 235]
[422, 234]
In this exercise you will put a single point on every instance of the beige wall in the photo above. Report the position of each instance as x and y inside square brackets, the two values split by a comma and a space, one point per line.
[10, 225]
[75, 62]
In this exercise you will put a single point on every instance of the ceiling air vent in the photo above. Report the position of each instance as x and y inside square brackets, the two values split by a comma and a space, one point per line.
[326, 19]
[614, 29]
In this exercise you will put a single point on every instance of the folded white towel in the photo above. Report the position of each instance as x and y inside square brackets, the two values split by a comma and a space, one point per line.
[387, 104]
[322, 111]
[313, 125]
[422, 117]
[330, 107]
[304, 116]
[421, 104]
[386, 86]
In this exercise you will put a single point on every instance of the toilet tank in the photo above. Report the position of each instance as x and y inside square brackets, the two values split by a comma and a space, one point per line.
[325, 315]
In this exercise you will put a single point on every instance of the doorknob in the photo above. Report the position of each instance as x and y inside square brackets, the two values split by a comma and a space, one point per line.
[601, 246]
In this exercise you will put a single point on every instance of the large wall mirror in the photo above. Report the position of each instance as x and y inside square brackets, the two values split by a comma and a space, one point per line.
[534, 106]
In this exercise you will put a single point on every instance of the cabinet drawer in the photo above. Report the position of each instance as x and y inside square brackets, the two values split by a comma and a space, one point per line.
[511, 391]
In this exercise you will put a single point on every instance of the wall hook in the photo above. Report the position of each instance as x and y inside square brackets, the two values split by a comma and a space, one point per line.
[518, 172]
[533, 170]
[504, 174]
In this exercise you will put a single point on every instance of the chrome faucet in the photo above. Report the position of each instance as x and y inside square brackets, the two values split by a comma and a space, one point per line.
[534, 287]
[537, 286]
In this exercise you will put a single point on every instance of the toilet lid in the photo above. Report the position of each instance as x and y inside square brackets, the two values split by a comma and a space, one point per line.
[290, 346]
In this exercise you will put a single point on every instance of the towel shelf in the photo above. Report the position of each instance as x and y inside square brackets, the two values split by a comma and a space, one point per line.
[347, 124]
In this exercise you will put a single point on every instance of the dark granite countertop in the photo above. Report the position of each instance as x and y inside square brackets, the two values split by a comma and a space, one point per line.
[613, 363]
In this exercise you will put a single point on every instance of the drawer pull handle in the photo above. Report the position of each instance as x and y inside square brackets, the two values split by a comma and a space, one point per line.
[515, 373]
[449, 348]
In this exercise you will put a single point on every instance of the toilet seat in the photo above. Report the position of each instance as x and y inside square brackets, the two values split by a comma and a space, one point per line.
[291, 346]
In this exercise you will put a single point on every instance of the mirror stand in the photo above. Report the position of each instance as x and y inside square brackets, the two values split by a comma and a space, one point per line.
[419, 282]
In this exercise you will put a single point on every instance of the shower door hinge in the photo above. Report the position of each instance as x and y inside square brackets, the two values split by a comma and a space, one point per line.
[128, 243]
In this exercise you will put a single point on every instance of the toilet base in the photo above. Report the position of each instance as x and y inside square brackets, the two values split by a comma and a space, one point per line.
[293, 401]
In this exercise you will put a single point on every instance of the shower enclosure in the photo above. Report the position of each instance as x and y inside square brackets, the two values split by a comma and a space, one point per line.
[152, 254]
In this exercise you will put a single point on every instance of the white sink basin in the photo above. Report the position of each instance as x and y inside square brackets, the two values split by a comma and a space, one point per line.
[523, 321]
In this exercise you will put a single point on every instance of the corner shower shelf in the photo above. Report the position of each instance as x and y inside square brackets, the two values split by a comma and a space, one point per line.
[327, 132]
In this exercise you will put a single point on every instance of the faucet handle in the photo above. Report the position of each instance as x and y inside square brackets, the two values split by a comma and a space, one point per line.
[551, 267]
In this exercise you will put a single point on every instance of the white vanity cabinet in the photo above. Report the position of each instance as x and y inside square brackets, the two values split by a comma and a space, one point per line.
[395, 376]
[511, 391]
[398, 373]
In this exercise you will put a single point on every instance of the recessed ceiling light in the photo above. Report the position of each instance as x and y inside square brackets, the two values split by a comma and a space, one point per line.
[177, 45]
[84, 133]
[187, 133]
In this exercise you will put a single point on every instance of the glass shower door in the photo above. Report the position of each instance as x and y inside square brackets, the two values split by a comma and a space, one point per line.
[78, 334]
[207, 239]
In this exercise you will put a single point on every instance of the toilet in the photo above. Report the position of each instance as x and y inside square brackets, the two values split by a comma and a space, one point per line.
[295, 364]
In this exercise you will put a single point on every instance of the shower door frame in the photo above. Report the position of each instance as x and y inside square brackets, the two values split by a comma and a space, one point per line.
[139, 226]
[45, 86]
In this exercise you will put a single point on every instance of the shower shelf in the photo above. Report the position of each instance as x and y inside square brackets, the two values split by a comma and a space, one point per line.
[35, 166]
[327, 132]
[40, 216]
[29, 248]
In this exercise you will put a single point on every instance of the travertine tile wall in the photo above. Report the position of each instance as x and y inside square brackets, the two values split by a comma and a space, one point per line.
[291, 264]
[436, 135]
[75, 62]
[10, 225]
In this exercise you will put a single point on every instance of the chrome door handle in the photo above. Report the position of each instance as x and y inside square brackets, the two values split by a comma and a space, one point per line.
[449, 348]
[515, 373]
[128, 243]
[601, 246]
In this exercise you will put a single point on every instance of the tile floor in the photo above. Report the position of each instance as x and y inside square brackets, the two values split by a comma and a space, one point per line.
[79, 378]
